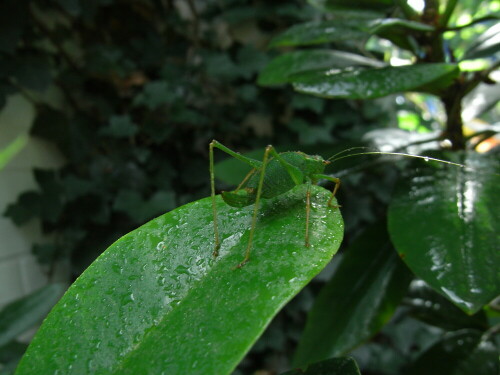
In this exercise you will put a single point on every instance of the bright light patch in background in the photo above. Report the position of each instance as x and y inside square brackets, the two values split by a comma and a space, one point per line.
[418, 5]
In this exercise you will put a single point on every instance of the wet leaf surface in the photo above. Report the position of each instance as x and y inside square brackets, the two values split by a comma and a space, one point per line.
[157, 302]
[358, 300]
[361, 83]
[444, 222]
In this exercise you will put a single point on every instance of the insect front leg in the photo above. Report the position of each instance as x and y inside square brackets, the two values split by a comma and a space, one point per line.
[255, 164]
[212, 194]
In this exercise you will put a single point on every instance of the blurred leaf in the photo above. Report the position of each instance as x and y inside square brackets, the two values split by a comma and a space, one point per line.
[282, 67]
[443, 221]
[333, 366]
[12, 150]
[138, 209]
[120, 126]
[430, 307]
[32, 71]
[27, 206]
[13, 17]
[355, 5]
[158, 301]
[156, 94]
[336, 30]
[22, 314]
[360, 83]
[479, 101]
[360, 298]
[487, 44]
[400, 32]
[462, 352]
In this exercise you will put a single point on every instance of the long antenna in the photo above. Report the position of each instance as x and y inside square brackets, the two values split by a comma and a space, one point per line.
[426, 158]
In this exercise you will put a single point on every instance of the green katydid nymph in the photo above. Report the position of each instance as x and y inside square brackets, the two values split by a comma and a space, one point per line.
[277, 174]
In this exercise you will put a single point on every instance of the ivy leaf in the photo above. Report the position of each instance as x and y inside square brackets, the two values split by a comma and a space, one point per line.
[444, 223]
[138, 209]
[120, 127]
[157, 300]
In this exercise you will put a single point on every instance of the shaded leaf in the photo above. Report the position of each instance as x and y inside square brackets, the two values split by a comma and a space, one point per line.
[359, 83]
[282, 67]
[359, 299]
[22, 314]
[355, 5]
[119, 127]
[157, 301]
[430, 307]
[400, 32]
[462, 352]
[444, 223]
[336, 30]
[487, 44]
[139, 209]
[333, 366]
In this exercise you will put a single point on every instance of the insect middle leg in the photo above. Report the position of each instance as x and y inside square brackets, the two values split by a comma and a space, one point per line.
[336, 181]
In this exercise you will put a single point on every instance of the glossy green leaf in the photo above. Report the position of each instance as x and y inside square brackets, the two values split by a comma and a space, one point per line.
[336, 30]
[487, 44]
[462, 352]
[432, 308]
[282, 67]
[399, 31]
[359, 83]
[332, 366]
[157, 302]
[355, 5]
[444, 222]
[359, 299]
[22, 314]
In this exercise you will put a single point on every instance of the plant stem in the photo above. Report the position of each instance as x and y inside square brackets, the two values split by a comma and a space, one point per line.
[452, 101]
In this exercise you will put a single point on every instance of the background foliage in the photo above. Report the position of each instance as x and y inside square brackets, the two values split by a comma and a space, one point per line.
[133, 91]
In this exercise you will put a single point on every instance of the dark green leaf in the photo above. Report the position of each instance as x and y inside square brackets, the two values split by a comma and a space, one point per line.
[359, 83]
[359, 299]
[157, 301]
[120, 126]
[432, 308]
[32, 71]
[333, 366]
[13, 17]
[336, 30]
[462, 352]
[21, 315]
[444, 223]
[138, 209]
[355, 5]
[282, 67]
[400, 32]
